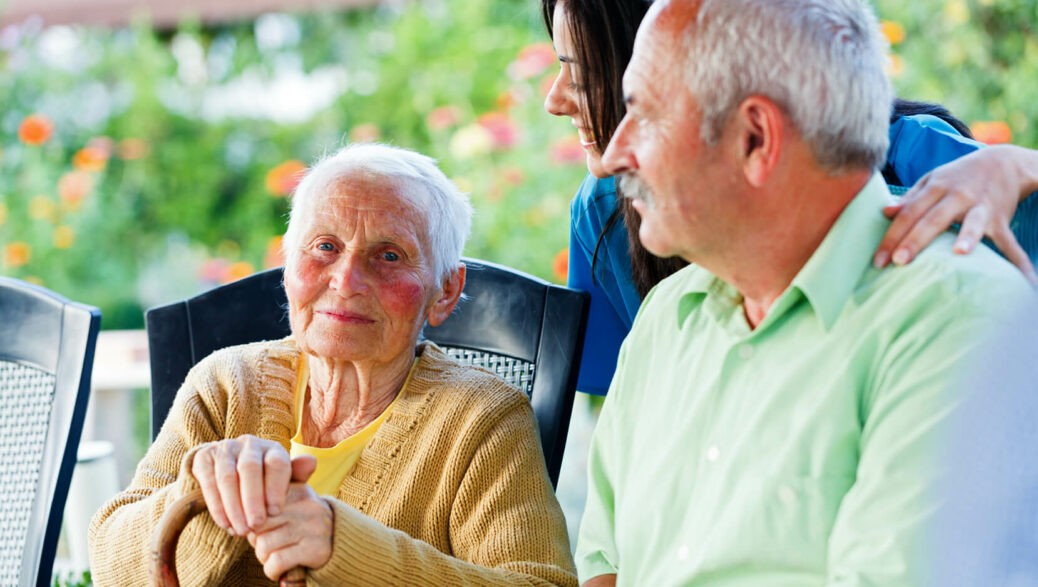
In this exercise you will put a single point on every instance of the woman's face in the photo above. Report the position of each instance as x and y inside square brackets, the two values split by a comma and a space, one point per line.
[362, 284]
[566, 97]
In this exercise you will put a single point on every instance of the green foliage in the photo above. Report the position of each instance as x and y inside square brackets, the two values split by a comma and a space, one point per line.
[978, 57]
[154, 184]
[178, 198]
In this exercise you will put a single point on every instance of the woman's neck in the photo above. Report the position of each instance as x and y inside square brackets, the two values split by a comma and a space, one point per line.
[344, 397]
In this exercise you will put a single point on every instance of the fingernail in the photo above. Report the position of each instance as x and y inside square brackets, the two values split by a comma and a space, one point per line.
[962, 247]
[880, 260]
[901, 256]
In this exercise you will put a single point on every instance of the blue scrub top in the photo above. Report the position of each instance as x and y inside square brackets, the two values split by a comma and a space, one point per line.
[918, 144]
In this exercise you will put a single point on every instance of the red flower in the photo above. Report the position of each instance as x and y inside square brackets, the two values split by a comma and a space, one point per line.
[532, 60]
[443, 117]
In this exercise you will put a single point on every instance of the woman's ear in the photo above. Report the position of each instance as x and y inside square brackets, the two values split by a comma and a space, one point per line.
[449, 296]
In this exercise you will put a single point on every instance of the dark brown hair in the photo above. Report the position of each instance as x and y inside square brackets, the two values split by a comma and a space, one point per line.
[603, 39]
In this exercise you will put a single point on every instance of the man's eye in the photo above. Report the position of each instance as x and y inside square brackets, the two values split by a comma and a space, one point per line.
[390, 256]
[326, 247]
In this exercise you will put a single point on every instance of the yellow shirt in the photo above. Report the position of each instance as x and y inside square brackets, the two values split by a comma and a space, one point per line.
[334, 463]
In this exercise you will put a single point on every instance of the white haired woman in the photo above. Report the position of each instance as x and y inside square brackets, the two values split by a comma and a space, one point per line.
[348, 448]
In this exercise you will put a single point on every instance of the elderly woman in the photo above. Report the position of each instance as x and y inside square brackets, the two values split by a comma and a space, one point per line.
[348, 448]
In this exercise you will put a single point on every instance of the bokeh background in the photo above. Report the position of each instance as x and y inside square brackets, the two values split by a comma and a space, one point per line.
[142, 163]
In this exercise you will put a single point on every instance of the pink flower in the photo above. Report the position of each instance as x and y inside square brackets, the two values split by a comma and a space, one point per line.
[532, 60]
[502, 129]
[567, 151]
[443, 117]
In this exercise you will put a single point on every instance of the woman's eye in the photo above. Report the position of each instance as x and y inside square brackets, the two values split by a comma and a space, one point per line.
[390, 256]
[326, 247]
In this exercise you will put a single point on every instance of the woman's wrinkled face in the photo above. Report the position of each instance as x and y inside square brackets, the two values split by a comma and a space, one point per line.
[362, 283]
[566, 97]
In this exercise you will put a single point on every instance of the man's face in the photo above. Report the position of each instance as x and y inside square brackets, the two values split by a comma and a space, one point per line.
[658, 146]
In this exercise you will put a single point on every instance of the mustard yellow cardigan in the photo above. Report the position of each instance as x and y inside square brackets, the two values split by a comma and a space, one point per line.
[451, 490]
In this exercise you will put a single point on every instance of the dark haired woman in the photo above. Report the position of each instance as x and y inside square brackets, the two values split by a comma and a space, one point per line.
[594, 40]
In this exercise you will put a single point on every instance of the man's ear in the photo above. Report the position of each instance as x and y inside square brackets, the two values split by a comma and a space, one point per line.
[449, 297]
[760, 124]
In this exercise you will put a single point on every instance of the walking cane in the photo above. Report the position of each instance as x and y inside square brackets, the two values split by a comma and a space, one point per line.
[164, 543]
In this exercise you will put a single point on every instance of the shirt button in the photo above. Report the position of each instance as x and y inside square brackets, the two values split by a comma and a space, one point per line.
[683, 552]
[746, 351]
[713, 453]
[787, 495]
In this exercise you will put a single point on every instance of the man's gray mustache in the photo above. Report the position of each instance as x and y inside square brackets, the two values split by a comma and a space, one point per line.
[633, 187]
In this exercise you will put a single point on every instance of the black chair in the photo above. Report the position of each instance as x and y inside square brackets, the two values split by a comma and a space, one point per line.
[46, 355]
[523, 328]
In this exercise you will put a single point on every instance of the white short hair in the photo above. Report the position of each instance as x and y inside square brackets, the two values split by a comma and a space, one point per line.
[822, 61]
[449, 218]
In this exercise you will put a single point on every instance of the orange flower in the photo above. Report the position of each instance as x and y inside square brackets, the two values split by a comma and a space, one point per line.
[36, 129]
[365, 133]
[532, 60]
[63, 237]
[443, 117]
[506, 100]
[567, 151]
[503, 131]
[513, 175]
[74, 186]
[895, 66]
[893, 31]
[275, 255]
[90, 159]
[992, 132]
[284, 178]
[560, 265]
[237, 271]
[17, 254]
[131, 148]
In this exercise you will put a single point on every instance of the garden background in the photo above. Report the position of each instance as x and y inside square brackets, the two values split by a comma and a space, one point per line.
[139, 166]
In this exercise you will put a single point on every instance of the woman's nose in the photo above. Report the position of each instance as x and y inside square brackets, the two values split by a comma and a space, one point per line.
[350, 275]
[559, 100]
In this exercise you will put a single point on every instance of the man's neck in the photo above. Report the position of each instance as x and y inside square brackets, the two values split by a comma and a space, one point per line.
[781, 237]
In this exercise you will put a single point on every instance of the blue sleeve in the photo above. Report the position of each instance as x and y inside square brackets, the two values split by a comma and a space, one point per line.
[606, 328]
[921, 143]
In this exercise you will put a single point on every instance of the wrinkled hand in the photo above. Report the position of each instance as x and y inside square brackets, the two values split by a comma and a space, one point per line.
[980, 191]
[245, 480]
[301, 536]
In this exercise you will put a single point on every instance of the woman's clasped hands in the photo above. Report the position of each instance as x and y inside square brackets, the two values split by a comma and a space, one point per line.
[253, 488]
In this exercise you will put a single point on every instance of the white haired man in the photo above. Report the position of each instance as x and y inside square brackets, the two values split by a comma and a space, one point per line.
[777, 407]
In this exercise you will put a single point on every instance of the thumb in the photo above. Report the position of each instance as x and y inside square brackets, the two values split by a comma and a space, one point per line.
[303, 467]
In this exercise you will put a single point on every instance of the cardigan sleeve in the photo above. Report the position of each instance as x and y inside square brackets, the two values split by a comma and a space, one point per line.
[506, 527]
[121, 531]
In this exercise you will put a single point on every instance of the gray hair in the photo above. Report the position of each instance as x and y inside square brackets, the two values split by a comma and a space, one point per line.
[820, 60]
[449, 218]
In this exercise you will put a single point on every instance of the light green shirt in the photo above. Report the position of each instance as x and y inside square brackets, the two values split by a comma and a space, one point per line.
[801, 452]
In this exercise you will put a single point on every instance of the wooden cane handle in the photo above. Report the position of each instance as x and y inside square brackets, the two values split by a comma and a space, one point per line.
[164, 543]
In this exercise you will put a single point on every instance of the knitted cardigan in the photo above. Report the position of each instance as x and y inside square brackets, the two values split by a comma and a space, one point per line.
[451, 490]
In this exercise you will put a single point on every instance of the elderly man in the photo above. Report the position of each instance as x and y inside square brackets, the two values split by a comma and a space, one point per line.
[777, 408]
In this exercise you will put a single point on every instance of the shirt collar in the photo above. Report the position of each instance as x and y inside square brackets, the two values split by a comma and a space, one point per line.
[832, 273]
[836, 267]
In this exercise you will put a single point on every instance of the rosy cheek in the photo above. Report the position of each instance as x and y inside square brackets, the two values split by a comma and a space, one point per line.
[402, 295]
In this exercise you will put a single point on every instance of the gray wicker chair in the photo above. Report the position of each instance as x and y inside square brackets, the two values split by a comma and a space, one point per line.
[46, 354]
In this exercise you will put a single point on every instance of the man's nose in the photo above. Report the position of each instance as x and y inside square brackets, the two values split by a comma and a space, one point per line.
[619, 157]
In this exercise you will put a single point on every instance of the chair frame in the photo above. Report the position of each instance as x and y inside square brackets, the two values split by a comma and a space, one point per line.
[47, 331]
[547, 328]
